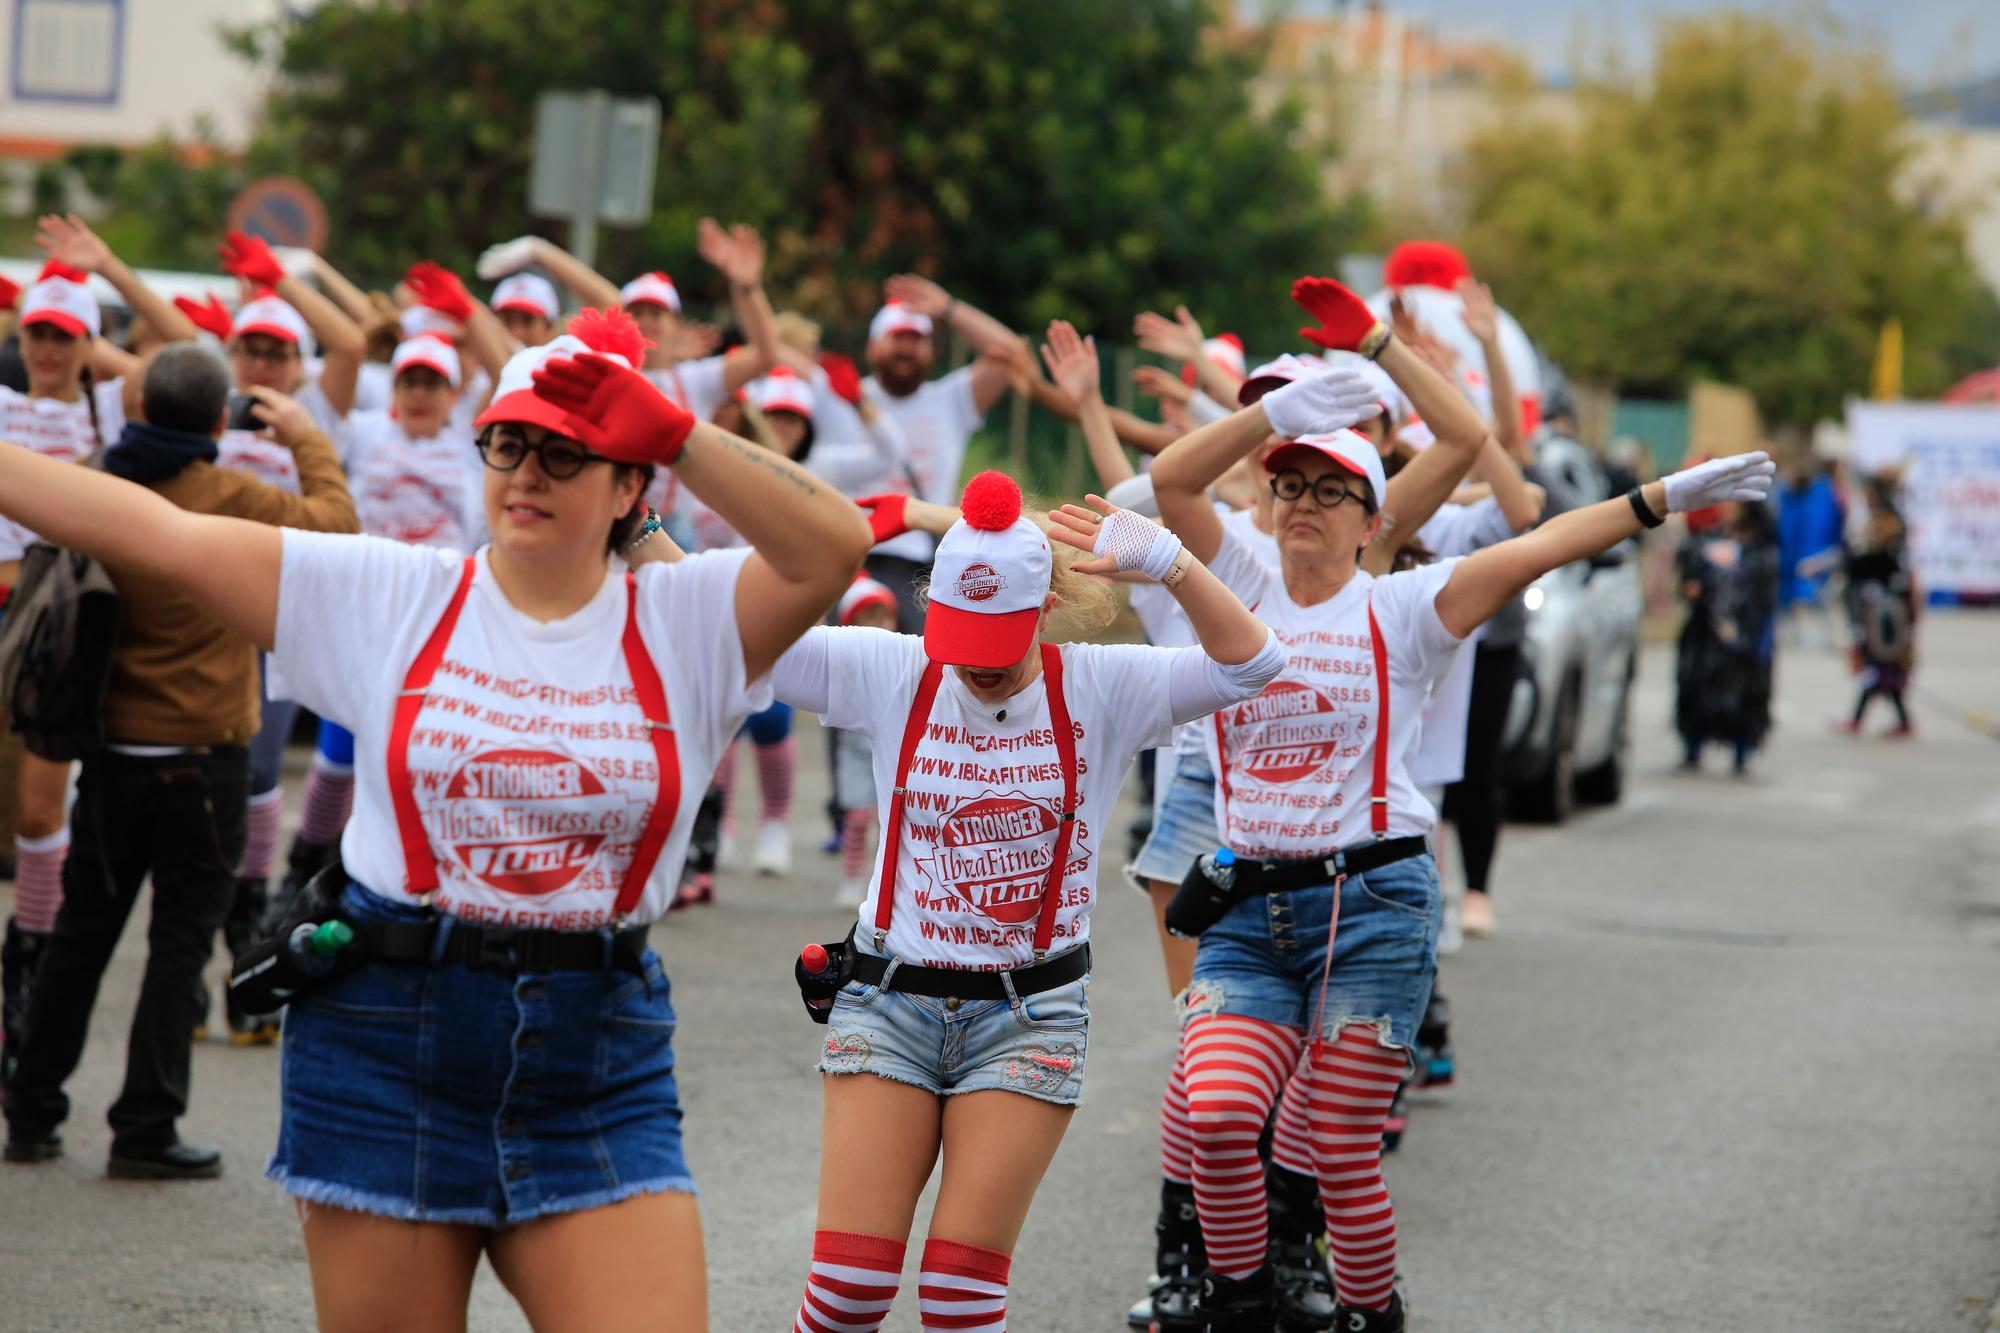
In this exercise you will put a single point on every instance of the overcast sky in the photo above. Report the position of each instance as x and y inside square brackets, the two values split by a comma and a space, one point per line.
[1928, 41]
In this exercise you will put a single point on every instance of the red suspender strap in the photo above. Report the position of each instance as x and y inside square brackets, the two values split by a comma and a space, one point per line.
[892, 827]
[419, 866]
[652, 694]
[1378, 808]
[1052, 675]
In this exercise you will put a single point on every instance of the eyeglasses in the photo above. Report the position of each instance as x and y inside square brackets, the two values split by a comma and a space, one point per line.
[1328, 492]
[560, 459]
[279, 354]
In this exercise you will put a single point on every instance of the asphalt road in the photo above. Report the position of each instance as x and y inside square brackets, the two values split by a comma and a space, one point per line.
[1732, 1063]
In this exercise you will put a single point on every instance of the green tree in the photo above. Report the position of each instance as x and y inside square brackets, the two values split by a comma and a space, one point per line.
[1742, 215]
[1044, 158]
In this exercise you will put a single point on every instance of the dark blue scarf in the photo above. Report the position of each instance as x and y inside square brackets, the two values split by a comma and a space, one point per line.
[148, 454]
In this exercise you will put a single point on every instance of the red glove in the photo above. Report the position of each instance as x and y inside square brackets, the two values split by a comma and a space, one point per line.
[440, 289]
[10, 294]
[885, 515]
[247, 257]
[841, 376]
[1346, 323]
[210, 317]
[613, 411]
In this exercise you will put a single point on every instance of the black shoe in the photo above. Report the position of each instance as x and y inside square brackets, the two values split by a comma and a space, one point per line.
[1355, 1319]
[1172, 1300]
[1436, 1068]
[44, 1147]
[1399, 1118]
[1239, 1305]
[20, 959]
[1305, 1287]
[174, 1161]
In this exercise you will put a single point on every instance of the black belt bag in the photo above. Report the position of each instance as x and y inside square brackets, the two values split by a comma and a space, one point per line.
[1205, 897]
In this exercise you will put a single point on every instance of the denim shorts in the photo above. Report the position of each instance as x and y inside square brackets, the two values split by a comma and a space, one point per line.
[1033, 1045]
[1183, 827]
[448, 1094]
[1264, 959]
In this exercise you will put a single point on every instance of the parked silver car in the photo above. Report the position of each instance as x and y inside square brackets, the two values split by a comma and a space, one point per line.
[1568, 727]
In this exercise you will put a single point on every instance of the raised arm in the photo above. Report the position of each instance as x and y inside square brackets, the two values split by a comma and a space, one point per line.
[342, 345]
[979, 329]
[1487, 580]
[739, 254]
[585, 283]
[1072, 363]
[351, 299]
[1181, 339]
[1482, 317]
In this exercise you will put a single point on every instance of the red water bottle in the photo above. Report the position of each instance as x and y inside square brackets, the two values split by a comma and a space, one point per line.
[818, 967]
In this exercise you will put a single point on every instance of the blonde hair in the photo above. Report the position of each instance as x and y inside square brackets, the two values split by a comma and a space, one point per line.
[796, 331]
[1085, 604]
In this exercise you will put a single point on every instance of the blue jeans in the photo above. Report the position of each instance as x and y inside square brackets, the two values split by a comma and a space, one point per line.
[1265, 958]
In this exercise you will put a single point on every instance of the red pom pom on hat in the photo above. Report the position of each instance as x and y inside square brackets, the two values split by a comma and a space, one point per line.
[612, 332]
[992, 501]
[57, 269]
[1425, 264]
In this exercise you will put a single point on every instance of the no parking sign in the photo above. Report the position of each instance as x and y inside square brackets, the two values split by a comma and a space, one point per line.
[283, 211]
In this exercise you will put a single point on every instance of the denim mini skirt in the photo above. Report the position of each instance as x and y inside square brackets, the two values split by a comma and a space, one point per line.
[449, 1094]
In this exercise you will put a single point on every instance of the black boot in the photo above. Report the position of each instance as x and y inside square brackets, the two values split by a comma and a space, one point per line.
[243, 930]
[1170, 1305]
[20, 959]
[1399, 1118]
[1355, 1319]
[1239, 1305]
[1435, 1065]
[305, 860]
[1305, 1288]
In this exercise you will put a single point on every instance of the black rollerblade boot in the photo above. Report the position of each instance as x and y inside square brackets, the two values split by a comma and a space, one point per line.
[1239, 1305]
[1435, 1066]
[243, 930]
[1354, 1319]
[1178, 1260]
[20, 959]
[305, 860]
[1399, 1118]
[1298, 1257]
[697, 884]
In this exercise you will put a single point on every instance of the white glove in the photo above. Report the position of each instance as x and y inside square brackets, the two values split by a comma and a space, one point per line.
[497, 261]
[1738, 477]
[1321, 403]
[1137, 544]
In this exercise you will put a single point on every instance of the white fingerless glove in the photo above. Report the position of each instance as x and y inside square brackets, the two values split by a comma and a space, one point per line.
[1138, 545]
[497, 261]
[1322, 403]
[1739, 477]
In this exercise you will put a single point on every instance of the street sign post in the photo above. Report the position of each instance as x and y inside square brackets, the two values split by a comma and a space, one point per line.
[594, 157]
[282, 211]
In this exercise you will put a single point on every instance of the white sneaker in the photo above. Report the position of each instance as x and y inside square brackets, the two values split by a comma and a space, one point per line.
[725, 849]
[774, 850]
[1476, 915]
[1451, 936]
[851, 893]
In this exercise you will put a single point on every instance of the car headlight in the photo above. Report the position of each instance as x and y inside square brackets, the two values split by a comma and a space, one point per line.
[1532, 599]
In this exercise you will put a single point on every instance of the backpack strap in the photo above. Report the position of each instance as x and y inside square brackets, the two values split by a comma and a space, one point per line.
[892, 827]
[420, 877]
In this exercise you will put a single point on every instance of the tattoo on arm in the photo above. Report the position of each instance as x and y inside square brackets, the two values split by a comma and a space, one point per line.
[778, 466]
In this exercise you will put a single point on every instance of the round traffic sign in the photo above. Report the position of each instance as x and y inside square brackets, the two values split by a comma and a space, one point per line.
[282, 210]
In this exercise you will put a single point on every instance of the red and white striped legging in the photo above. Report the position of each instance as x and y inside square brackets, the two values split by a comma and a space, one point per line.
[1235, 1069]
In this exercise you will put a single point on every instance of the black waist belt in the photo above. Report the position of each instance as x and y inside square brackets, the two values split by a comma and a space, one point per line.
[506, 948]
[950, 983]
[1288, 876]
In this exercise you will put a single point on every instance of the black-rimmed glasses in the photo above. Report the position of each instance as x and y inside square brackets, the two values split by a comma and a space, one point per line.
[560, 459]
[1288, 483]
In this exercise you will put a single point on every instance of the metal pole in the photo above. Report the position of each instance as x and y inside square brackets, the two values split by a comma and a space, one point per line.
[583, 227]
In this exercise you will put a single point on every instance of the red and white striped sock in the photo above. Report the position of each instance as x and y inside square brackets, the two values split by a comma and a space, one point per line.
[854, 826]
[1236, 1068]
[38, 874]
[261, 820]
[777, 769]
[1291, 1136]
[1349, 1086]
[1176, 1139]
[852, 1283]
[725, 784]
[963, 1288]
[328, 800]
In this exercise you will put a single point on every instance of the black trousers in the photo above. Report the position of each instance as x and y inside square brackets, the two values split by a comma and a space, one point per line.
[1477, 803]
[179, 817]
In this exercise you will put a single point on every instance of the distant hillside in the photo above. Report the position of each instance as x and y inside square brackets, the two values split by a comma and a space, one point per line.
[1974, 103]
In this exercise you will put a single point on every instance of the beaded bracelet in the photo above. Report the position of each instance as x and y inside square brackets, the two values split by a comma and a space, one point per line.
[646, 529]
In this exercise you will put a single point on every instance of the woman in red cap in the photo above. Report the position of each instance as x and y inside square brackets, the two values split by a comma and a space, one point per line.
[491, 1071]
[963, 1024]
[1322, 828]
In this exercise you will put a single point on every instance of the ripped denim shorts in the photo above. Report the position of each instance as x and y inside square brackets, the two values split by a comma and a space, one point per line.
[1265, 958]
[1033, 1045]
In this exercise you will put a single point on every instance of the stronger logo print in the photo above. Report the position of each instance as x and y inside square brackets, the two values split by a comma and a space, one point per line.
[525, 822]
[994, 852]
[1288, 732]
[980, 582]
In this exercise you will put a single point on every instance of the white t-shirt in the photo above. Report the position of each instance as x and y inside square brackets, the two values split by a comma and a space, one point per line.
[937, 422]
[532, 762]
[699, 386]
[1439, 757]
[471, 400]
[50, 427]
[374, 387]
[427, 492]
[980, 820]
[1295, 764]
[267, 460]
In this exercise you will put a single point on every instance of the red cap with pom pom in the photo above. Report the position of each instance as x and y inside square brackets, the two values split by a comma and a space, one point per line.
[607, 333]
[988, 580]
[1425, 264]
